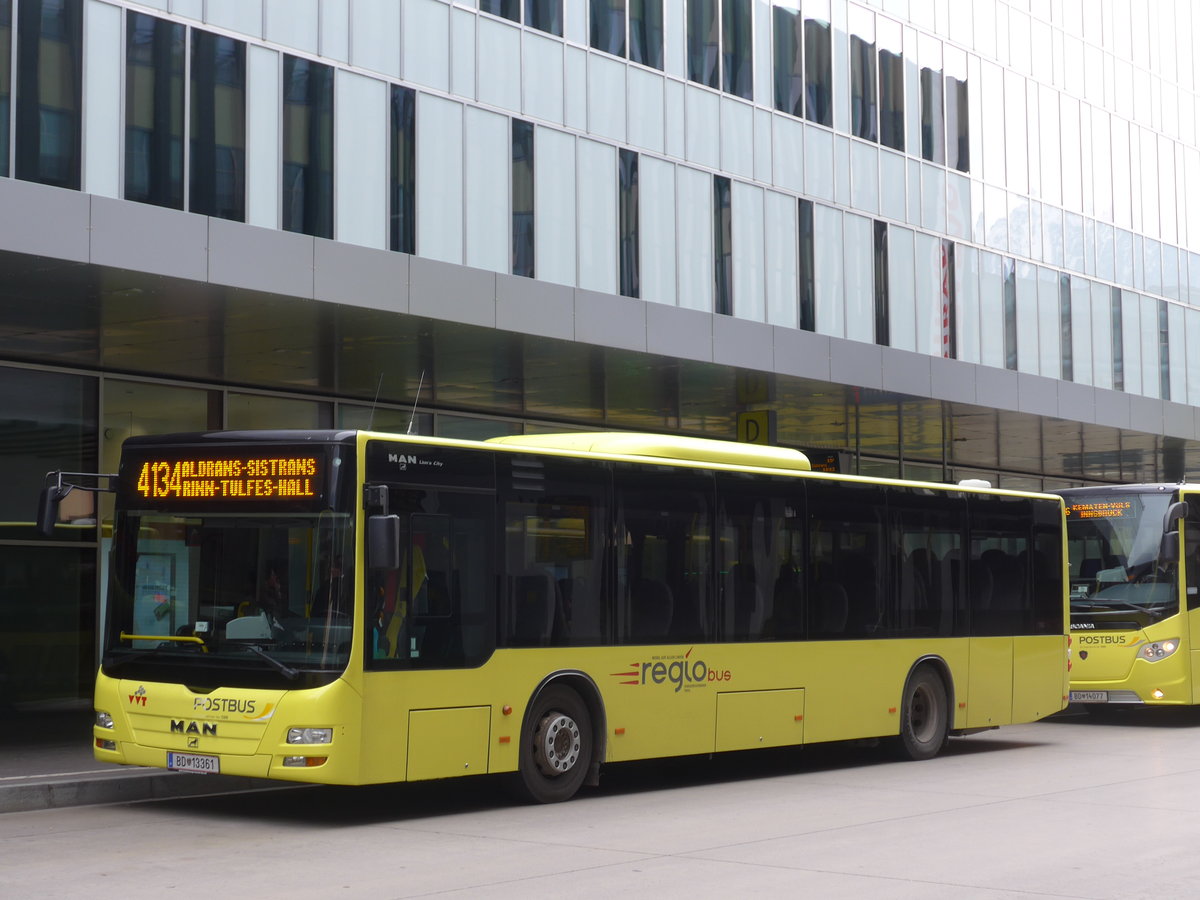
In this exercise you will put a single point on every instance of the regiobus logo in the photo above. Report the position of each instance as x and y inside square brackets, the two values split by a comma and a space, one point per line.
[681, 671]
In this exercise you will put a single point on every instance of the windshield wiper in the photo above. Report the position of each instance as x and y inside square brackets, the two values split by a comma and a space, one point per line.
[287, 671]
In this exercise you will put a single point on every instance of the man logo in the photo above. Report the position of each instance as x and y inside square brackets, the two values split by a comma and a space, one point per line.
[208, 729]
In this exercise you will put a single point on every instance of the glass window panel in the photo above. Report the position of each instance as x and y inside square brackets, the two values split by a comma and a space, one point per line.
[1192, 358]
[554, 198]
[307, 147]
[597, 217]
[629, 242]
[891, 84]
[1016, 139]
[523, 237]
[1152, 265]
[5, 81]
[781, 246]
[818, 71]
[486, 164]
[47, 626]
[966, 296]
[545, 15]
[737, 49]
[1027, 318]
[749, 287]
[607, 26]
[864, 177]
[1066, 339]
[902, 289]
[828, 270]
[933, 124]
[1090, 354]
[154, 52]
[1072, 154]
[991, 79]
[863, 77]
[55, 416]
[1011, 325]
[49, 87]
[646, 32]
[993, 323]
[695, 230]
[439, 191]
[656, 198]
[1173, 363]
[893, 200]
[703, 42]
[929, 271]
[403, 170]
[859, 262]
[509, 9]
[1050, 163]
[788, 70]
[1049, 324]
[806, 265]
[722, 246]
[1148, 309]
[1131, 341]
[217, 181]
[245, 411]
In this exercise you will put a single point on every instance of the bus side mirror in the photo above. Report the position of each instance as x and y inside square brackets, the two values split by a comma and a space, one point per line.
[1176, 513]
[1168, 550]
[383, 542]
[52, 495]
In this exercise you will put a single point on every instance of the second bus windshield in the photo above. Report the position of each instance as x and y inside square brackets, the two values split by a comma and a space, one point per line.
[1117, 578]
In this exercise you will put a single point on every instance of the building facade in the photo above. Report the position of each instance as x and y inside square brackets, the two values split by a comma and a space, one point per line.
[912, 237]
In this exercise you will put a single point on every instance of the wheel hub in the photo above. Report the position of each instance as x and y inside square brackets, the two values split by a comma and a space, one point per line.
[556, 744]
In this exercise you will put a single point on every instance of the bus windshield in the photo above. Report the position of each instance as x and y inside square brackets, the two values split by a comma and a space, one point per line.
[253, 598]
[1117, 578]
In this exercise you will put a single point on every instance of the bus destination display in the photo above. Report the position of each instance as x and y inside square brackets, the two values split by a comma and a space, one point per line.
[1099, 509]
[230, 478]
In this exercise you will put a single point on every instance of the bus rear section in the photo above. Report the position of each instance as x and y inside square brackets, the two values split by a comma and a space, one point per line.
[1132, 595]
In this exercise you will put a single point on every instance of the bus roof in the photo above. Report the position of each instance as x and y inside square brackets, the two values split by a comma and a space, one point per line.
[663, 446]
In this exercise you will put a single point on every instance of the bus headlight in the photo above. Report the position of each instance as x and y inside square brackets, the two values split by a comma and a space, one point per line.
[103, 719]
[1157, 650]
[310, 735]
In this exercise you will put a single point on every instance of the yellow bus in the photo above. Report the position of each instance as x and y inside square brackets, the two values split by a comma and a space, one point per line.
[1135, 594]
[350, 608]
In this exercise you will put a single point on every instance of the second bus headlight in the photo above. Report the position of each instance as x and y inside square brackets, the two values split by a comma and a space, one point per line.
[1157, 650]
[310, 735]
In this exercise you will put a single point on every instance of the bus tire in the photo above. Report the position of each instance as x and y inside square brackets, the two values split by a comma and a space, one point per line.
[924, 715]
[556, 746]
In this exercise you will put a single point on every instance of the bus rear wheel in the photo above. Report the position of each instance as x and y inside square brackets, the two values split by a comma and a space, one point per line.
[556, 746]
[924, 715]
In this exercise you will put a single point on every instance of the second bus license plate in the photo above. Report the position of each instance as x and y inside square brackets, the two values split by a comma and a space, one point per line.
[194, 762]
[1089, 696]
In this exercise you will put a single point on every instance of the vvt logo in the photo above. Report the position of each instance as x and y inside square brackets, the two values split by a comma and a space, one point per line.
[138, 697]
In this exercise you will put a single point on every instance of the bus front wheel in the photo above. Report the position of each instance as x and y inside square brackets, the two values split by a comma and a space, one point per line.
[924, 716]
[556, 746]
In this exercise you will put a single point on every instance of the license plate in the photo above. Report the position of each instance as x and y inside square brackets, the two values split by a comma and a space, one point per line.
[1089, 696]
[194, 762]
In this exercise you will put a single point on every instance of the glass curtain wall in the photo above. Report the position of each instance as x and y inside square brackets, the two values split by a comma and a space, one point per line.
[5, 80]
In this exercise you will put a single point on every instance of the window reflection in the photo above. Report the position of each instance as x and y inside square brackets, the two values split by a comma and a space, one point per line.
[403, 170]
[891, 85]
[218, 127]
[5, 79]
[863, 83]
[49, 88]
[522, 199]
[154, 55]
[307, 147]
